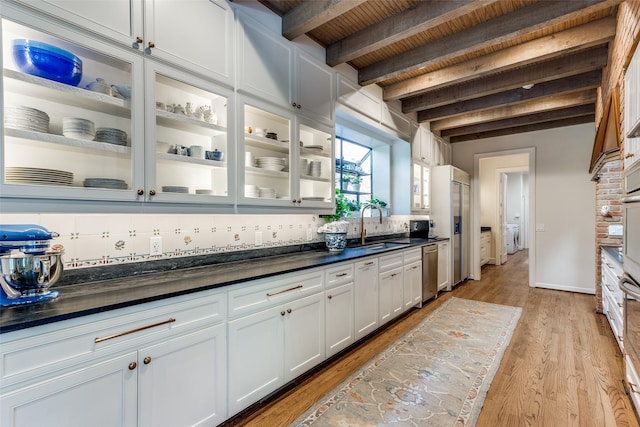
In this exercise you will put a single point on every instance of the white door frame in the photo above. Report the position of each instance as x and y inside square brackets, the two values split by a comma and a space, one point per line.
[475, 208]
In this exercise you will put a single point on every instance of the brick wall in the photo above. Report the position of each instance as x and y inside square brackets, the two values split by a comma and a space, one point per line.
[609, 188]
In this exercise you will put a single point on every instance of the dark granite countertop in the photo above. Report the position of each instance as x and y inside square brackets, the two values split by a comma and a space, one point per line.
[614, 251]
[97, 296]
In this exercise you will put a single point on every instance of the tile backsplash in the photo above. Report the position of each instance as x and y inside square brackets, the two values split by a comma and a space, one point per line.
[108, 239]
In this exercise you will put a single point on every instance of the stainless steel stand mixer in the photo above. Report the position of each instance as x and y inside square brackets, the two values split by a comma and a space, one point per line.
[29, 265]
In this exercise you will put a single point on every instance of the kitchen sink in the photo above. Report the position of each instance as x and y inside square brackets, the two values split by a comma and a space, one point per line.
[381, 246]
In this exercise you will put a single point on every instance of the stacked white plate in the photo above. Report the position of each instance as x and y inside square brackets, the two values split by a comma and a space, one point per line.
[175, 189]
[271, 163]
[315, 168]
[22, 175]
[77, 128]
[26, 118]
[251, 191]
[267, 193]
[117, 184]
[111, 136]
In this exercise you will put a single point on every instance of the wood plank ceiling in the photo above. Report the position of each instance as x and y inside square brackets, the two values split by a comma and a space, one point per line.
[472, 68]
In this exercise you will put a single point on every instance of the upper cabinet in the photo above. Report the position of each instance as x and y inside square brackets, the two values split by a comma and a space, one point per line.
[271, 68]
[632, 112]
[421, 144]
[197, 36]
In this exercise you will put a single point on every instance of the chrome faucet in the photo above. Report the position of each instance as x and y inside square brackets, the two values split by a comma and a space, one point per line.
[363, 231]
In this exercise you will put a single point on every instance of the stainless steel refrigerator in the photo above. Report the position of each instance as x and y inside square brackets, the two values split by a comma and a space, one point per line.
[450, 209]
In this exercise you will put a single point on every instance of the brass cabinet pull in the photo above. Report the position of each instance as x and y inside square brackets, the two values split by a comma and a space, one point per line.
[633, 387]
[147, 360]
[369, 263]
[609, 287]
[120, 334]
[132, 366]
[270, 294]
[341, 275]
[329, 296]
[289, 310]
[628, 156]
[152, 192]
[140, 192]
[282, 313]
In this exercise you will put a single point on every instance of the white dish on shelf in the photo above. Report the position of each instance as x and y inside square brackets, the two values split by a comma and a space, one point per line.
[314, 147]
[313, 199]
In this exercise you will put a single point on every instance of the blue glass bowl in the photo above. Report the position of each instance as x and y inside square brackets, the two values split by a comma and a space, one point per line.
[46, 61]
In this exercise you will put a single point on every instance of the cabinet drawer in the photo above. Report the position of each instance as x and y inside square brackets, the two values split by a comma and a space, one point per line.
[259, 294]
[412, 255]
[388, 262]
[338, 275]
[41, 350]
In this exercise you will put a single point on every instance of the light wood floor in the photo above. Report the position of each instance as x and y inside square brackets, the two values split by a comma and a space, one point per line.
[562, 366]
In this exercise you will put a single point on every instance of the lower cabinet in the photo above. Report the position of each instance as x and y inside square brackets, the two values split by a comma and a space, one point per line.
[391, 283]
[175, 380]
[444, 261]
[412, 288]
[366, 297]
[339, 308]
[269, 348]
[612, 296]
[485, 247]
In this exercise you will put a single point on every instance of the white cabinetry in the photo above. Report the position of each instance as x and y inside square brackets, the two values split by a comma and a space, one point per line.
[278, 336]
[421, 188]
[444, 262]
[412, 291]
[125, 367]
[485, 247]
[366, 296]
[421, 145]
[339, 305]
[612, 295]
[390, 298]
[198, 37]
[272, 69]
[632, 112]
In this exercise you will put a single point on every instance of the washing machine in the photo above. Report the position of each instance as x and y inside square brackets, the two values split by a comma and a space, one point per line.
[513, 238]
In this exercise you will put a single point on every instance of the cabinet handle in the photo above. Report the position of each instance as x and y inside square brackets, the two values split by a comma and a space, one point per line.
[628, 156]
[621, 338]
[147, 360]
[298, 106]
[341, 275]
[131, 331]
[152, 192]
[282, 313]
[414, 267]
[369, 263]
[633, 388]
[329, 296]
[289, 310]
[270, 294]
[609, 287]
[136, 44]
[609, 265]
[140, 192]
[150, 46]
[294, 105]
[619, 304]
[132, 366]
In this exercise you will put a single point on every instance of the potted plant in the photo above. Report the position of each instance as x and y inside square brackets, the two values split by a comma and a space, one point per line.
[335, 227]
[352, 181]
[379, 202]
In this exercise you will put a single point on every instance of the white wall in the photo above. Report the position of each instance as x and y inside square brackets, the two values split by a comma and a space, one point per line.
[564, 200]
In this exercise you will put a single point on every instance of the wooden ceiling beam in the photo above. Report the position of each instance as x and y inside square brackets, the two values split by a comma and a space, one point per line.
[311, 14]
[518, 23]
[581, 62]
[424, 16]
[593, 34]
[545, 116]
[550, 103]
[527, 128]
[589, 80]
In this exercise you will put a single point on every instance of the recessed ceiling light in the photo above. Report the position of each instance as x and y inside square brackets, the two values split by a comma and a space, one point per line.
[529, 86]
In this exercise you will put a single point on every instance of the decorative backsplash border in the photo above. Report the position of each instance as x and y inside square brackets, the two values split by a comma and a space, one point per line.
[92, 240]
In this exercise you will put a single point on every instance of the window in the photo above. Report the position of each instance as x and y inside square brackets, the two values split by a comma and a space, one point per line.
[354, 175]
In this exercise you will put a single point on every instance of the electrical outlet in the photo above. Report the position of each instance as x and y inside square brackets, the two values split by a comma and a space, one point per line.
[155, 245]
[258, 238]
[309, 234]
[615, 230]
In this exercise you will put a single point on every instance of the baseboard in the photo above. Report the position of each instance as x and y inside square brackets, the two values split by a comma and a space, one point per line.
[565, 288]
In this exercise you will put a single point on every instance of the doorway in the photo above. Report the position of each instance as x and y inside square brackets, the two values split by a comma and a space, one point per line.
[494, 207]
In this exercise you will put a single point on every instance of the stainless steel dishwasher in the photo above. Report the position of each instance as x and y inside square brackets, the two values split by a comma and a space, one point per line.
[429, 271]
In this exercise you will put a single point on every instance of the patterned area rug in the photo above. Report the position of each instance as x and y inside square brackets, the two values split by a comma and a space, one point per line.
[438, 374]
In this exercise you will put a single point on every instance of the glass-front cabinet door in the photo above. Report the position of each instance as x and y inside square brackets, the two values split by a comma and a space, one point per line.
[315, 165]
[69, 103]
[420, 187]
[266, 168]
[188, 134]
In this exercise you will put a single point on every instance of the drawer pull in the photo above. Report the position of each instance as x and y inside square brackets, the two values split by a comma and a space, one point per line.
[132, 366]
[633, 387]
[270, 294]
[619, 304]
[414, 267]
[341, 274]
[369, 263]
[609, 287]
[329, 296]
[120, 334]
